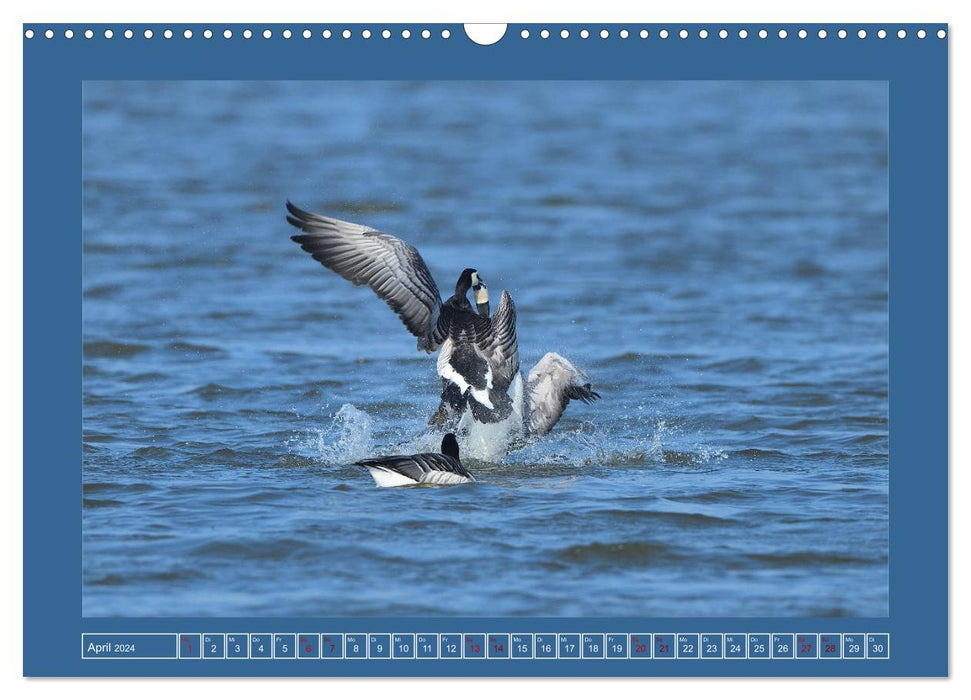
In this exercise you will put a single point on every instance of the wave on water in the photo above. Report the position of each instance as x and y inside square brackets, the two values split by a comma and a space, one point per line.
[111, 350]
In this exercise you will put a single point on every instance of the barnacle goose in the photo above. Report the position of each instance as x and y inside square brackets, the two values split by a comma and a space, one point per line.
[425, 468]
[478, 357]
[550, 384]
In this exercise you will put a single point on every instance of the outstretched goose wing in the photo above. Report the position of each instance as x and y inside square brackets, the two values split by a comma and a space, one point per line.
[550, 386]
[503, 347]
[392, 268]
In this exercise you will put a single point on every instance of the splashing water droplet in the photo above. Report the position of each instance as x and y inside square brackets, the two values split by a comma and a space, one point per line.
[348, 438]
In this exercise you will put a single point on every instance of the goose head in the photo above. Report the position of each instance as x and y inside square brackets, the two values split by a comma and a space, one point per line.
[468, 279]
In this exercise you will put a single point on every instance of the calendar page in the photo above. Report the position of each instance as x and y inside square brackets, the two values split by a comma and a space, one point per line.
[513, 350]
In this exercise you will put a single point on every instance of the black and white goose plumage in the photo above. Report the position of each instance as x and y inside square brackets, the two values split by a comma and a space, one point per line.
[426, 468]
[478, 355]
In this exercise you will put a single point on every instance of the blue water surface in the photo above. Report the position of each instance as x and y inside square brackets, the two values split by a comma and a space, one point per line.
[713, 255]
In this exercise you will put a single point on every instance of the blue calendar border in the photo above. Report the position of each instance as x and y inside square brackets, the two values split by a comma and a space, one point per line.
[916, 71]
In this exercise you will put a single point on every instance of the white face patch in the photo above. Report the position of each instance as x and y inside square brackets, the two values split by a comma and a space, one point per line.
[475, 279]
[481, 295]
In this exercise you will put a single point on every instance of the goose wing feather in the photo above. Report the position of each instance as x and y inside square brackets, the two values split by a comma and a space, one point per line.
[550, 386]
[429, 467]
[502, 347]
[389, 266]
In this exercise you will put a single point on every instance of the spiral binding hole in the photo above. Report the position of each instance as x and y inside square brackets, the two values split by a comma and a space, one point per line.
[563, 33]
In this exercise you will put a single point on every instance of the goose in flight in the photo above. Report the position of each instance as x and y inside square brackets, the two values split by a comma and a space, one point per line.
[478, 357]
[426, 468]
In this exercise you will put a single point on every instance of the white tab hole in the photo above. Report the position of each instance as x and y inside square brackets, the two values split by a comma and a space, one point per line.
[485, 34]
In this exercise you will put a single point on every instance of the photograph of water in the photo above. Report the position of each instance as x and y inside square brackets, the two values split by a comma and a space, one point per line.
[712, 255]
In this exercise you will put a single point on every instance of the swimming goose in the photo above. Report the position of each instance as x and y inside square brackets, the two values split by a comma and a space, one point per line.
[425, 468]
[478, 357]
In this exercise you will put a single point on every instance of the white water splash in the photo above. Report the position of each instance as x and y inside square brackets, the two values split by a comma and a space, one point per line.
[490, 442]
[707, 453]
[485, 442]
[636, 439]
[656, 447]
[348, 438]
